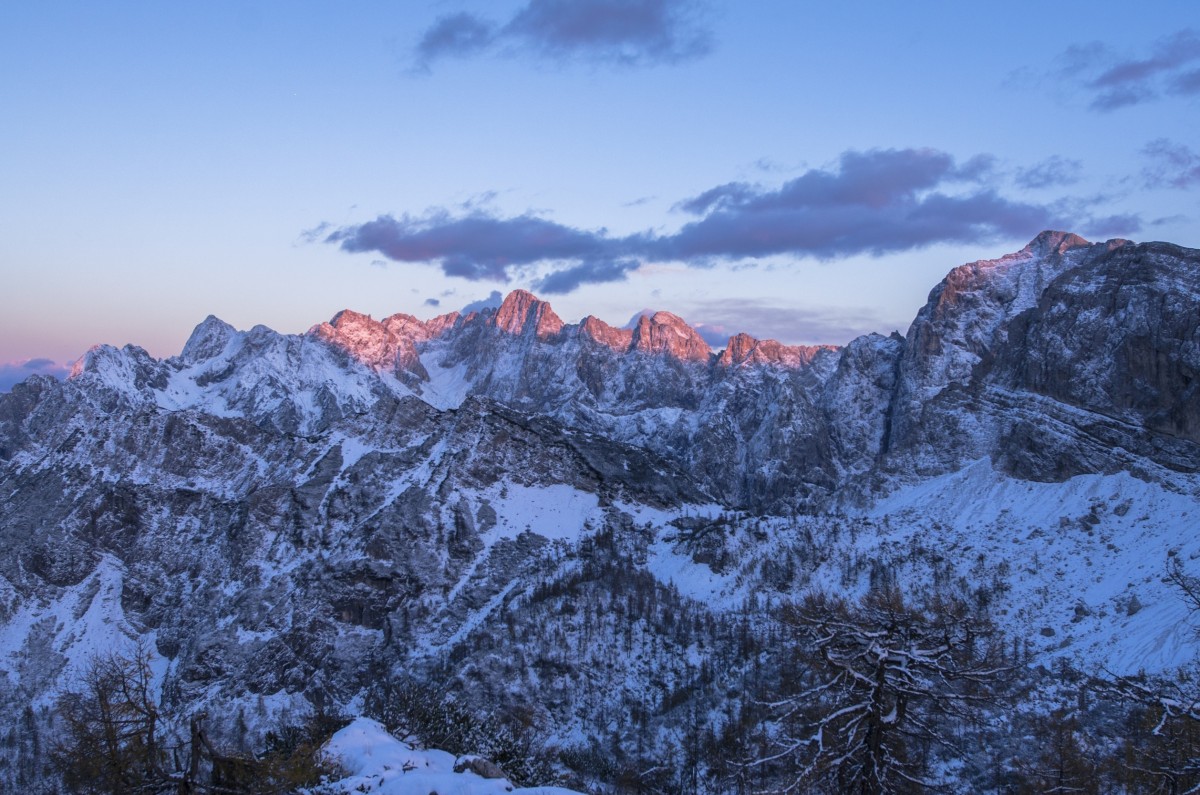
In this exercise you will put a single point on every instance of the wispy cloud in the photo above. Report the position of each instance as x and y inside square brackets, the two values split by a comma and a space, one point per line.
[1113, 80]
[456, 35]
[1053, 172]
[13, 373]
[623, 32]
[1115, 225]
[875, 202]
[1172, 165]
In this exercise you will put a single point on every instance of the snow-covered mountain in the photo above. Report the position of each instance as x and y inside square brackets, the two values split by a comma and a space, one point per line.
[574, 519]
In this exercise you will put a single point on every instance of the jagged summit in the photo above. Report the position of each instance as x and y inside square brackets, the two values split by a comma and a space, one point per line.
[1053, 241]
[596, 330]
[393, 344]
[348, 317]
[743, 349]
[522, 312]
[667, 333]
[207, 340]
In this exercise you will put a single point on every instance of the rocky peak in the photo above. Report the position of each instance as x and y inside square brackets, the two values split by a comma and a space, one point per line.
[362, 337]
[665, 333]
[744, 349]
[437, 326]
[385, 346]
[405, 326]
[348, 318]
[130, 371]
[522, 313]
[596, 330]
[984, 292]
[90, 360]
[1053, 242]
[737, 350]
[208, 340]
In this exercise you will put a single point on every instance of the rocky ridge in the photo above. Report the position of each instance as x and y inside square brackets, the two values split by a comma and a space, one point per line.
[1001, 347]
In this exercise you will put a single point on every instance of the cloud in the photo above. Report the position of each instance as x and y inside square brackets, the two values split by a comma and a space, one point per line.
[316, 233]
[721, 319]
[1112, 226]
[587, 272]
[13, 373]
[432, 302]
[1052, 172]
[476, 245]
[1186, 83]
[1172, 165]
[493, 300]
[457, 35]
[875, 202]
[622, 32]
[1115, 81]
[715, 336]
[633, 321]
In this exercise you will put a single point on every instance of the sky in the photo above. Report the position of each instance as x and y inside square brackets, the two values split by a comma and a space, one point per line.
[799, 171]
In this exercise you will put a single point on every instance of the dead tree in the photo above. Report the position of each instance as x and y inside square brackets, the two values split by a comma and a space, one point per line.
[884, 681]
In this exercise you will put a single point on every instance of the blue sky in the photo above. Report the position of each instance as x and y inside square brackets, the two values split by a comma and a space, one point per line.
[801, 171]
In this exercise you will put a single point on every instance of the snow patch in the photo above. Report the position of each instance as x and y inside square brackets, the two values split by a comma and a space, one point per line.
[448, 387]
[375, 762]
[556, 512]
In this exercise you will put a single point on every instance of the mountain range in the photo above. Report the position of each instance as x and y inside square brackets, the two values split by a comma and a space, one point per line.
[593, 524]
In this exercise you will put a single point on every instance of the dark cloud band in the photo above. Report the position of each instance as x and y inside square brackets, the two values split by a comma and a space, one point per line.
[875, 202]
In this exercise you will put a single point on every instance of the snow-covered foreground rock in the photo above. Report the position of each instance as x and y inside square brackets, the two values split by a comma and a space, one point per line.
[376, 763]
